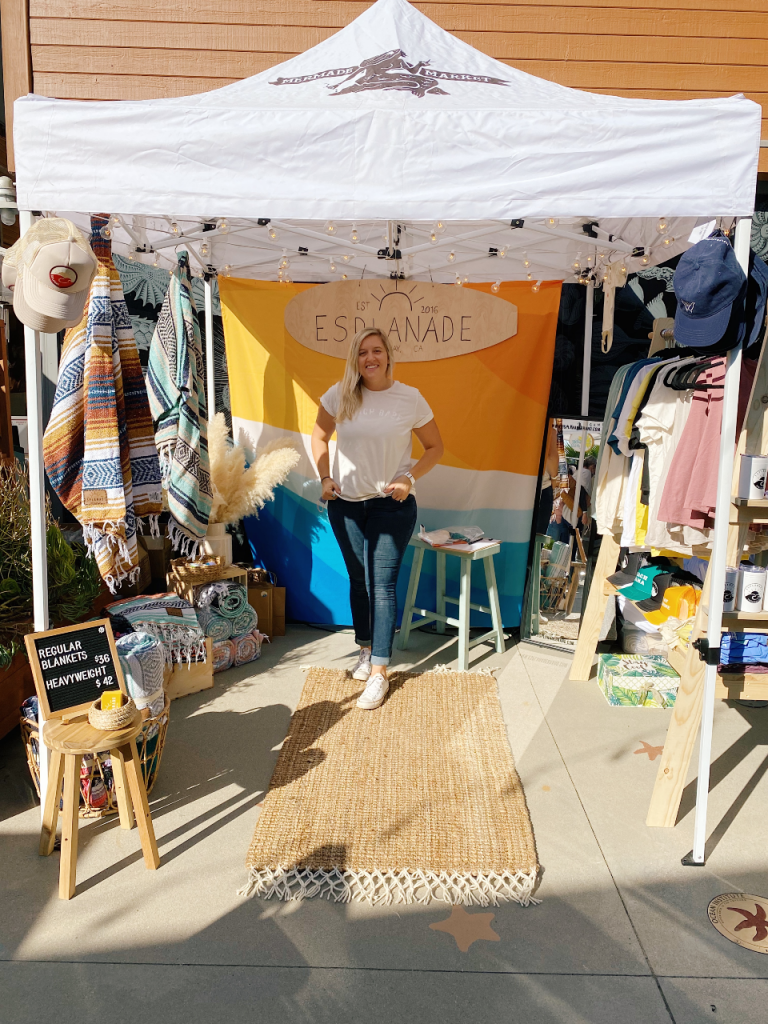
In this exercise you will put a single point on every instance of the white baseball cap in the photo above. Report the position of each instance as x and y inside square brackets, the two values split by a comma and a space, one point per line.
[55, 267]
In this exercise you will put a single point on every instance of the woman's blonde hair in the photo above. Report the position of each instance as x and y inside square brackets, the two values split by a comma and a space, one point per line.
[351, 397]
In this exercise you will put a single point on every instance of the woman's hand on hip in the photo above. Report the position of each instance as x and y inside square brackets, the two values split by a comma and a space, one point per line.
[331, 489]
[399, 489]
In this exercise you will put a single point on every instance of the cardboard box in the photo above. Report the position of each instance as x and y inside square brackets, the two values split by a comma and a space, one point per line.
[637, 680]
[268, 602]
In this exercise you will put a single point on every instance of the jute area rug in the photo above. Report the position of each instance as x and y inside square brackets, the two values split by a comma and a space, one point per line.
[417, 800]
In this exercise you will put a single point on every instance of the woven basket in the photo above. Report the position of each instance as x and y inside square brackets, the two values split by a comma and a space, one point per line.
[97, 791]
[256, 577]
[183, 570]
[114, 718]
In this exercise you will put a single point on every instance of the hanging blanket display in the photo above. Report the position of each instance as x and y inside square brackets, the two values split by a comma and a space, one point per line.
[177, 401]
[166, 617]
[98, 448]
[226, 617]
[481, 356]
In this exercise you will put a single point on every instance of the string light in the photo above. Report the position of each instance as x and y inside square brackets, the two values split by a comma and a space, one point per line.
[502, 251]
[536, 287]
[347, 257]
[433, 237]
[174, 228]
[590, 260]
[227, 270]
[623, 267]
[223, 227]
[529, 276]
[156, 261]
[131, 256]
[440, 227]
[272, 234]
[451, 257]
[576, 265]
[662, 226]
[330, 227]
[458, 281]
[495, 287]
[645, 259]
[284, 262]
[601, 255]
[526, 261]
[666, 242]
[466, 280]
[354, 238]
[552, 222]
[343, 277]
[333, 267]
[115, 220]
[106, 231]
[204, 249]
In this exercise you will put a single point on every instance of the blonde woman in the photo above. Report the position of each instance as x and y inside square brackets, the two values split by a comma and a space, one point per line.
[371, 503]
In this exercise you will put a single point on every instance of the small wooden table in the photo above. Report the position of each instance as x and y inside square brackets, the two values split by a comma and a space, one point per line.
[68, 741]
[467, 558]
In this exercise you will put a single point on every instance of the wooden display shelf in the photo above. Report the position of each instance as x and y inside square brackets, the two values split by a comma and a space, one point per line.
[751, 510]
[740, 620]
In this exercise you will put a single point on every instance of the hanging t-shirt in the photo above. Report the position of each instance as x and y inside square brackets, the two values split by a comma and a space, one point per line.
[374, 447]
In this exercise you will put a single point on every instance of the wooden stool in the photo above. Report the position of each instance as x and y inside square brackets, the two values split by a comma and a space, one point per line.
[68, 742]
[439, 616]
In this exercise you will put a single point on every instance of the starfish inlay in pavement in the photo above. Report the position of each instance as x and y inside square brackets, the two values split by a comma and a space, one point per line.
[756, 921]
[467, 928]
[652, 752]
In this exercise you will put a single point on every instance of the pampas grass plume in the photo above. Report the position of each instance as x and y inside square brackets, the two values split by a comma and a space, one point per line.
[238, 491]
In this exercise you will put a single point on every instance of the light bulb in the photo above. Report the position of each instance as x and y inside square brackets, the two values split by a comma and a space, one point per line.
[227, 270]
[204, 249]
[131, 256]
[451, 257]
[458, 281]
[333, 267]
[666, 242]
[552, 222]
[115, 220]
[433, 237]
[156, 261]
[354, 238]
[495, 286]
[526, 261]
[503, 251]
[288, 279]
[536, 287]
[440, 227]
[284, 262]
[330, 227]
[105, 232]
[272, 234]
[174, 228]
[623, 267]
[347, 257]
[576, 265]
[601, 255]
[466, 280]
[529, 276]
[343, 277]
[590, 260]
[645, 259]
[223, 227]
[662, 226]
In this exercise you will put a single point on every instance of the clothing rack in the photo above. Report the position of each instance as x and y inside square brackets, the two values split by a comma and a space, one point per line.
[700, 684]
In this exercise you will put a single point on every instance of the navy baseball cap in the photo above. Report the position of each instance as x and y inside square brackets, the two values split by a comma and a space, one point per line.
[708, 281]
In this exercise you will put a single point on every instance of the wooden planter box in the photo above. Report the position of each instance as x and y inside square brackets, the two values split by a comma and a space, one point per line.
[16, 684]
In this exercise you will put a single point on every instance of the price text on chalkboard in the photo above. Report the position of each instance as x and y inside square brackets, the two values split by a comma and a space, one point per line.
[74, 665]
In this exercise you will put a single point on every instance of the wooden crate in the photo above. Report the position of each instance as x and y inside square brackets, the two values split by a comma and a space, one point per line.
[189, 591]
[181, 680]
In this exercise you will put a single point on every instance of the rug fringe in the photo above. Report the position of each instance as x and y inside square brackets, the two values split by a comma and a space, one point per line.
[447, 670]
[487, 888]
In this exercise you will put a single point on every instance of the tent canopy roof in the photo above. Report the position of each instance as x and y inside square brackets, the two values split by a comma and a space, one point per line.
[393, 121]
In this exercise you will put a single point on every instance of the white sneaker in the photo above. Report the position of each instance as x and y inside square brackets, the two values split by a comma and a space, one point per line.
[362, 669]
[374, 693]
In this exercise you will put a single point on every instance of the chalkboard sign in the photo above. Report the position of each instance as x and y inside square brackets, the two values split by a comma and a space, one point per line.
[72, 666]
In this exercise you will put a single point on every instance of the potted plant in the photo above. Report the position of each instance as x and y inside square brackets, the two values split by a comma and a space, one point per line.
[240, 486]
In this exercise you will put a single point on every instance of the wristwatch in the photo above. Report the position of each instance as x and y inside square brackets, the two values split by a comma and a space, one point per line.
[412, 478]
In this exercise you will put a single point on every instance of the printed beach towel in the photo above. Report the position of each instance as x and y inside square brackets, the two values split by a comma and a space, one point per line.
[99, 449]
[177, 402]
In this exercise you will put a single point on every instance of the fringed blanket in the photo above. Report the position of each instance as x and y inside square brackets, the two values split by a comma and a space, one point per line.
[223, 610]
[99, 449]
[142, 660]
[169, 618]
[177, 401]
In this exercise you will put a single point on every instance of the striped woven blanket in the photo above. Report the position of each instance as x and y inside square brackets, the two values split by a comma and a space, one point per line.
[169, 618]
[177, 401]
[99, 448]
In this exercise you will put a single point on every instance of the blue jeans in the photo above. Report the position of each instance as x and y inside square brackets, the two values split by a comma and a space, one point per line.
[373, 536]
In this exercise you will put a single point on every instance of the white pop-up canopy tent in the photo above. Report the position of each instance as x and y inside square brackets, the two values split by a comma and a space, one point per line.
[393, 147]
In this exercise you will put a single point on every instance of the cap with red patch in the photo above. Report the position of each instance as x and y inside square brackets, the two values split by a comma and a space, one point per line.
[57, 281]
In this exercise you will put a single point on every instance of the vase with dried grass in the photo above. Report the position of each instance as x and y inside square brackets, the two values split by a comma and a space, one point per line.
[241, 484]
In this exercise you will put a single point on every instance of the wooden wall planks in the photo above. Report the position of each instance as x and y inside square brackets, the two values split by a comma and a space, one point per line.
[137, 49]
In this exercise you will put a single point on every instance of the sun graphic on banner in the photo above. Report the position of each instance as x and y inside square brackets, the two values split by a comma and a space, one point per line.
[398, 293]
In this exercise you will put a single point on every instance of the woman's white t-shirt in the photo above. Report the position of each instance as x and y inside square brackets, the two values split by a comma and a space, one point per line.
[374, 447]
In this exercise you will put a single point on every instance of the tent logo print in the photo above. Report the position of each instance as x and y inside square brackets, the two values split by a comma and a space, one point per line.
[390, 70]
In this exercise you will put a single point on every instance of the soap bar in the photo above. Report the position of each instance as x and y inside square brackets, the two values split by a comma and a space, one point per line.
[112, 699]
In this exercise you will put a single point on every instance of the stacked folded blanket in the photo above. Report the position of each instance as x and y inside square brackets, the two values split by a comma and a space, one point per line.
[142, 660]
[743, 648]
[166, 617]
[227, 618]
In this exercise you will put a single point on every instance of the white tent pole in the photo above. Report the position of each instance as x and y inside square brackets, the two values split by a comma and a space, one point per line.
[587, 364]
[717, 562]
[34, 373]
[210, 375]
